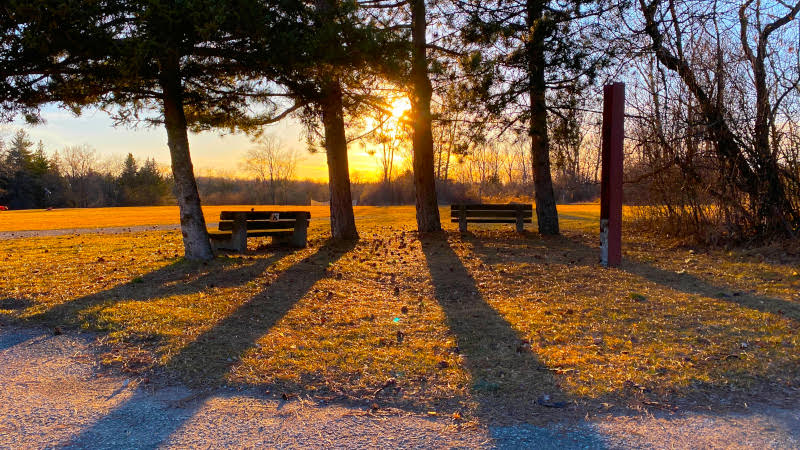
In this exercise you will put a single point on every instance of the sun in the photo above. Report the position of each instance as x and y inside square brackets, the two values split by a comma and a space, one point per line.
[399, 106]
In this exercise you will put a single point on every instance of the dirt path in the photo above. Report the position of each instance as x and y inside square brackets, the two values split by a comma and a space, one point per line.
[55, 394]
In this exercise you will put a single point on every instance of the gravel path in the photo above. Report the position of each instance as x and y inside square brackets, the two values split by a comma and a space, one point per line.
[55, 394]
[107, 230]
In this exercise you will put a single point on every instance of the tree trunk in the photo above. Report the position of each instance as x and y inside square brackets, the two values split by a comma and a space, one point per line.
[424, 177]
[343, 223]
[193, 225]
[272, 188]
[546, 212]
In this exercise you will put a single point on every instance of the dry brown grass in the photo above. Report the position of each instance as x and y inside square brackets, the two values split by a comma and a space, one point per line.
[481, 325]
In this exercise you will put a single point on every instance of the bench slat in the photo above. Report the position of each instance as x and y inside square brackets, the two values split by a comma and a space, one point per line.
[492, 214]
[455, 220]
[227, 225]
[264, 215]
[216, 235]
[493, 207]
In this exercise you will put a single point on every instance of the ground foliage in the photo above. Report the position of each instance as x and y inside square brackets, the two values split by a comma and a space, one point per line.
[490, 325]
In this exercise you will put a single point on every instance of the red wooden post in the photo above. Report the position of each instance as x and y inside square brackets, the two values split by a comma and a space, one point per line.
[611, 177]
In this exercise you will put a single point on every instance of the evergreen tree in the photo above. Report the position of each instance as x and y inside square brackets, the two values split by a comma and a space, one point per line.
[127, 182]
[342, 54]
[424, 176]
[20, 191]
[4, 175]
[523, 51]
[151, 185]
[183, 60]
[39, 164]
[19, 155]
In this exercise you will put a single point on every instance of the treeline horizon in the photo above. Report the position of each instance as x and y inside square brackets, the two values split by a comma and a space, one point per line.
[31, 177]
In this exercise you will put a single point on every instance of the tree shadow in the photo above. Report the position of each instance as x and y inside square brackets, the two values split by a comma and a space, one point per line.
[238, 332]
[569, 251]
[509, 383]
[179, 278]
[768, 381]
[15, 303]
[204, 363]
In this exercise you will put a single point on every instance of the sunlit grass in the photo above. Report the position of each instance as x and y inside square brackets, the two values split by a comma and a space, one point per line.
[69, 218]
[446, 323]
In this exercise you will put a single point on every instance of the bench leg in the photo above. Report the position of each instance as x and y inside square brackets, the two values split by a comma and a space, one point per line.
[239, 236]
[462, 220]
[299, 237]
[520, 222]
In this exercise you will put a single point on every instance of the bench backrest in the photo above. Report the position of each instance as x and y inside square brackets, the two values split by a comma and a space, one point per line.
[492, 213]
[263, 220]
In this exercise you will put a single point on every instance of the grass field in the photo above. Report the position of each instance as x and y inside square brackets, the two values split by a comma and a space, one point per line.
[68, 218]
[489, 324]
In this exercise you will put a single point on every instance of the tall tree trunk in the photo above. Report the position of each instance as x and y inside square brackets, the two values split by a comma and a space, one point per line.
[546, 212]
[424, 177]
[343, 223]
[193, 225]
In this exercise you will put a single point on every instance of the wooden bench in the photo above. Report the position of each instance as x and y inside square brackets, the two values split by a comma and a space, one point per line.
[236, 226]
[491, 213]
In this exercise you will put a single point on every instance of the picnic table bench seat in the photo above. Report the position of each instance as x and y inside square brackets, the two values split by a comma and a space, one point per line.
[517, 213]
[290, 227]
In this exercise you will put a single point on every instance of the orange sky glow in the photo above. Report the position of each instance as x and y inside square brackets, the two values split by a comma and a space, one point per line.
[212, 153]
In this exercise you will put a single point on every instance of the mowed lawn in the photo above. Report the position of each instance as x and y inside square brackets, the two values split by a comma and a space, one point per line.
[490, 325]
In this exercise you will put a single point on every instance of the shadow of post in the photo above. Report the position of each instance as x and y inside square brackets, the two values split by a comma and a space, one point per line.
[205, 361]
[691, 284]
[510, 384]
[568, 251]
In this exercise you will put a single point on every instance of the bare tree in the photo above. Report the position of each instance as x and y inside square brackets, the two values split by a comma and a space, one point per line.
[738, 71]
[271, 164]
[78, 162]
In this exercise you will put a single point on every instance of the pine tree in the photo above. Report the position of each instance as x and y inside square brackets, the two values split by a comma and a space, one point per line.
[523, 51]
[341, 55]
[424, 177]
[183, 60]
[19, 155]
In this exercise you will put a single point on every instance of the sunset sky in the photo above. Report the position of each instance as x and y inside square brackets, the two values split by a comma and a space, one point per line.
[211, 153]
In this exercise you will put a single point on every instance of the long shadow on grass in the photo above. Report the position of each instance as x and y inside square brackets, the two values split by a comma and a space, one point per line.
[548, 257]
[233, 335]
[691, 284]
[569, 251]
[206, 361]
[178, 278]
[509, 382]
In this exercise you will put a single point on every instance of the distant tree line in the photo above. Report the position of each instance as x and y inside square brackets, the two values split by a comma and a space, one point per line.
[75, 177]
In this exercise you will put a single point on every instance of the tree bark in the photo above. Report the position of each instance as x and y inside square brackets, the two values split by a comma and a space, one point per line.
[546, 212]
[193, 225]
[422, 141]
[343, 223]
